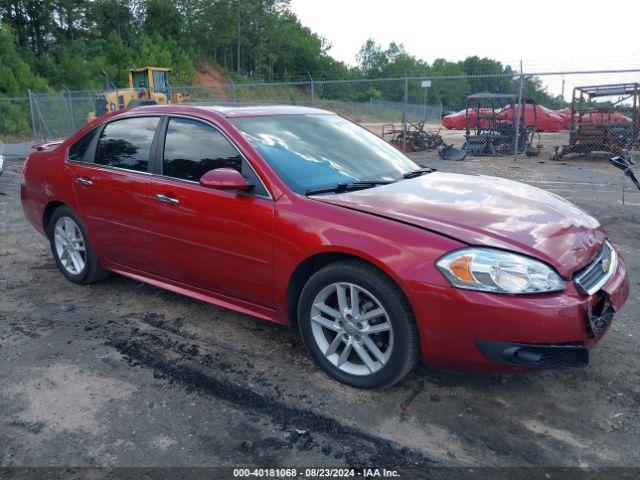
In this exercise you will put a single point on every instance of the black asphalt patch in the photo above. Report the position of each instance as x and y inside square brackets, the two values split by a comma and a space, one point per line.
[378, 451]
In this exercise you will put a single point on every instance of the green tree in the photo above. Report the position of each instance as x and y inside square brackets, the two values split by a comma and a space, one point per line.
[16, 78]
[163, 18]
[371, 59]
[106, 17]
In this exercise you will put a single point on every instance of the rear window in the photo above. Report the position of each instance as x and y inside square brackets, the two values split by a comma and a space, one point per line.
[78, 150]
[127, 143]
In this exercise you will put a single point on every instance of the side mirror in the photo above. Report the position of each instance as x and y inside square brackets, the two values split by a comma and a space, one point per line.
[225, 179]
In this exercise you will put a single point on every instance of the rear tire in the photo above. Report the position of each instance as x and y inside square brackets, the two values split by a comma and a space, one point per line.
[71, 248]
[373, 345]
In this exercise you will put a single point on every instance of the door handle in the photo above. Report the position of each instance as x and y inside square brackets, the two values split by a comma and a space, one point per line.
[166, 199]
[84, 181]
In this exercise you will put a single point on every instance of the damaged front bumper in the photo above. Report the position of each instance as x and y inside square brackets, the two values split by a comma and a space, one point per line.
[479, 331]
[599, 315]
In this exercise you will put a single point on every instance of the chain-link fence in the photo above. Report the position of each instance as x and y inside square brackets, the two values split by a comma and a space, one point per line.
[58, 115]
[360, 100]
[553, 114]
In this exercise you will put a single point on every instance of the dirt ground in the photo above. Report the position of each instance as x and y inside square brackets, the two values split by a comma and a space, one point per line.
[124, 374]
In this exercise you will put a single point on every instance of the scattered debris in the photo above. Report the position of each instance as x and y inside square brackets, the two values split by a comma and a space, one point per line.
[417, 138]
[300, 439]
[412, 396]
[246, 446]
[449, 152]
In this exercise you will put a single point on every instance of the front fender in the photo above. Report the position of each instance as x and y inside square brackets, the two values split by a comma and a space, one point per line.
[307, 228]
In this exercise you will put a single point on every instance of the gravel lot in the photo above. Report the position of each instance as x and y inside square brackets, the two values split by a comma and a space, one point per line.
[123, 374]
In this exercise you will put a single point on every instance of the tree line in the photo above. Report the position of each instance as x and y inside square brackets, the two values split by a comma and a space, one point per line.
[472, 75]
[48, 45]
[68, 43]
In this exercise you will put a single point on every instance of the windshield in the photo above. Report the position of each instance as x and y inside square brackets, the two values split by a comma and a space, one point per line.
[320, 150]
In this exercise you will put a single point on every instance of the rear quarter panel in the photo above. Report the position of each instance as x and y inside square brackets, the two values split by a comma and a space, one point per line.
[45, 180]
[46, 177]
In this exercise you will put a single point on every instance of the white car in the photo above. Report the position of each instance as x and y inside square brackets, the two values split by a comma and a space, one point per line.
[1, 157]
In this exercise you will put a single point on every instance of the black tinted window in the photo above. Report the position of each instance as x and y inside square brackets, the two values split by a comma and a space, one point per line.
[78, 149]
[127, 143]
[193, 148]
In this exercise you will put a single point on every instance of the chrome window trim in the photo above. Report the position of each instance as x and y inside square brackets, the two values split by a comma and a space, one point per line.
[602, 282]
[108, 167]
[193, 182]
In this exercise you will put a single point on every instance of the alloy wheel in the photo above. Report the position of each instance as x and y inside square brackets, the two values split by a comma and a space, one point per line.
[351, 328]
[70, 245]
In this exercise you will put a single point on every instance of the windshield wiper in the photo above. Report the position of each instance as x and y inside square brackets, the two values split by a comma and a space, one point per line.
[417, 173]
[341, 187]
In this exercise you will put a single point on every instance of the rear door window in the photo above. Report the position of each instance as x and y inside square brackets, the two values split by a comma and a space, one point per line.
[127, 143]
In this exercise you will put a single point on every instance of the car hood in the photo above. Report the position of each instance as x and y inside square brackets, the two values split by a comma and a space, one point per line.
[488, 211]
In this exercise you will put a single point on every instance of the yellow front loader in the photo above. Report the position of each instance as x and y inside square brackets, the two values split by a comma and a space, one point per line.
[147, 86]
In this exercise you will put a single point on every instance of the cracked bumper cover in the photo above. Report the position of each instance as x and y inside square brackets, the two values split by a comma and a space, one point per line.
[468, 330]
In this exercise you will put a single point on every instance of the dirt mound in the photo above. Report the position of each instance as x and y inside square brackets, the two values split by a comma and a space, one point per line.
[207, 74]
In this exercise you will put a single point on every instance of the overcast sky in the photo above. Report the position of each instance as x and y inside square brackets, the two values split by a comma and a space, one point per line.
[538, 32]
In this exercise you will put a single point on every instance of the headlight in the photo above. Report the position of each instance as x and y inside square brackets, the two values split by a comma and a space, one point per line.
[490, 270]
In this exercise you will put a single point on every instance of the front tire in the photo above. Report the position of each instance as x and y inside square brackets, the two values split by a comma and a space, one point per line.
[371, 342]
[71, 248]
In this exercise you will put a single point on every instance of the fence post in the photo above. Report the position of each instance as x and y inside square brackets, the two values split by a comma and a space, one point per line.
[521, 114]
[73, 122]
[313, 91]
[33, 118]
[233, 91]
[404, 114]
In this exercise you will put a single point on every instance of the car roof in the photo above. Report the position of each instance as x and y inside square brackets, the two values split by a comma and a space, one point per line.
[234, 111]
[495, 97]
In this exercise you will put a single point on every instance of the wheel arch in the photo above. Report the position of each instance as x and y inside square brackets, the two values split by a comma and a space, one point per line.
[48, 213]
[310, 265]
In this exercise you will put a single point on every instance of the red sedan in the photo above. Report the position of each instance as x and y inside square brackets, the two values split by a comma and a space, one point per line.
[545, 119]
[458, 120]
[592, 120]
[565, 114]
[301, 217]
